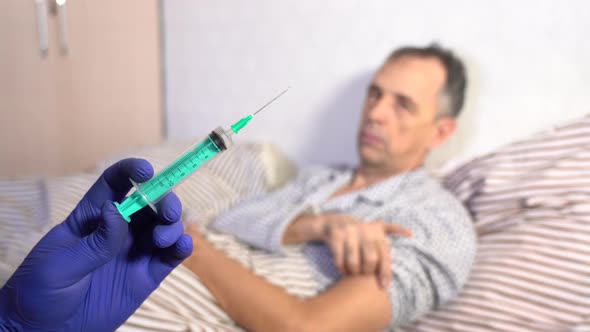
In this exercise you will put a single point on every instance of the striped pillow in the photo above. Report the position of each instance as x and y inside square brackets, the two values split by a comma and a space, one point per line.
[531, 204]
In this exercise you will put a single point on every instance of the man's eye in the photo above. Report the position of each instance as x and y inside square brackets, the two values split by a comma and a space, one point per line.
[403, 105]
[373, 93]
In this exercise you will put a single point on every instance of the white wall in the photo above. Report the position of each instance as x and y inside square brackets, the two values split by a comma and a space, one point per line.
[528, 62]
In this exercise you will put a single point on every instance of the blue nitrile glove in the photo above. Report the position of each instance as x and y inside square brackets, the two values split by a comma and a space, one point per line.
[92, 271]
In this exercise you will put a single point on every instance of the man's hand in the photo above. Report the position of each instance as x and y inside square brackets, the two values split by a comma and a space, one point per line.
[352, 304]
[360, 248]
[357, 248]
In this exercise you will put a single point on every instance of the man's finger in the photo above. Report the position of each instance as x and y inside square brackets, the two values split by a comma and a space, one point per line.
[337, 246]
[370, 257]
[385, 264]
[393, 229]
[352, 251]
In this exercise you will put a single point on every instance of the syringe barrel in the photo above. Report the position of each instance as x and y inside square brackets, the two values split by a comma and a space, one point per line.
[151, 191]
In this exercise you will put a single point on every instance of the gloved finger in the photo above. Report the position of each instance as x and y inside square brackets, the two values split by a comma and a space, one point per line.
[166, 235]
[169, 208]
[150, 229]
[169, 258]
[97, 248]
[114, 183]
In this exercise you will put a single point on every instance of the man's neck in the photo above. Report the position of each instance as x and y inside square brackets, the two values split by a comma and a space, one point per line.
[366, 176]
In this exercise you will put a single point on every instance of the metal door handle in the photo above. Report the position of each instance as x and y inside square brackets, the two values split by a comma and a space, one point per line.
[41, 9]
[62, 25]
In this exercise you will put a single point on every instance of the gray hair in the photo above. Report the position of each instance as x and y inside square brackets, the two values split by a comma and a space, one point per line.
[453, 92]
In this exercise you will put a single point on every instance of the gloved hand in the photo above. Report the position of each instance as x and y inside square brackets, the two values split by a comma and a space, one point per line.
[92, 271]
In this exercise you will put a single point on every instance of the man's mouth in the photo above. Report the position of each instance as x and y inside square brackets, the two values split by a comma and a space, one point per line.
[368, 138]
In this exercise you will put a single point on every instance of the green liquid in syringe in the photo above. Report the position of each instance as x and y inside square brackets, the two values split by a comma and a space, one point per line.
[152, 190]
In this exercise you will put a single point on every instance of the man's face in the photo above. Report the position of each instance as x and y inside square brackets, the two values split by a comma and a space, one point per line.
[399, 123]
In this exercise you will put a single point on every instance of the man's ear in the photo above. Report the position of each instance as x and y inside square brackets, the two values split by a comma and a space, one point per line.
[444, 128]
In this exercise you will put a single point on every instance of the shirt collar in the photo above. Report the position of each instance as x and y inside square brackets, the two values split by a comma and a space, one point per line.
[378, 193]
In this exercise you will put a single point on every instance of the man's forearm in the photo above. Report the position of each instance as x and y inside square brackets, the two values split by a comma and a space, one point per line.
[353, 304]
[305, 228]
[248, 299]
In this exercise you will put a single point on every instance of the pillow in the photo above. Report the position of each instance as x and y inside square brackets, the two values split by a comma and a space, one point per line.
[531, 206]
[23, 217]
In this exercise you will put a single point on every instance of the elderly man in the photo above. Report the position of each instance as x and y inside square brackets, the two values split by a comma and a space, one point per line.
[386, 243]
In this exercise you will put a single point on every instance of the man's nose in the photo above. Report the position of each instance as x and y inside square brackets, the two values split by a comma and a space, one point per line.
[379, 111]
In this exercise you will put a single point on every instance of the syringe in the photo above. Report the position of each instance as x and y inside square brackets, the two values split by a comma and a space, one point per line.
[149, 192]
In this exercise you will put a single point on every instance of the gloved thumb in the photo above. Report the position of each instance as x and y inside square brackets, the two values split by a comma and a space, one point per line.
[100, 246]
[111, 233]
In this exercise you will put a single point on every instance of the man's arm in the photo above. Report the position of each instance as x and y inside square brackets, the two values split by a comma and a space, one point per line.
[305, 228]
[272, 212]
[354, 304]
[357, 248]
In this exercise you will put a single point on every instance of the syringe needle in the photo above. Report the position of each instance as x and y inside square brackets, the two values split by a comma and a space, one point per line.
[270, 102]
[245, 120]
